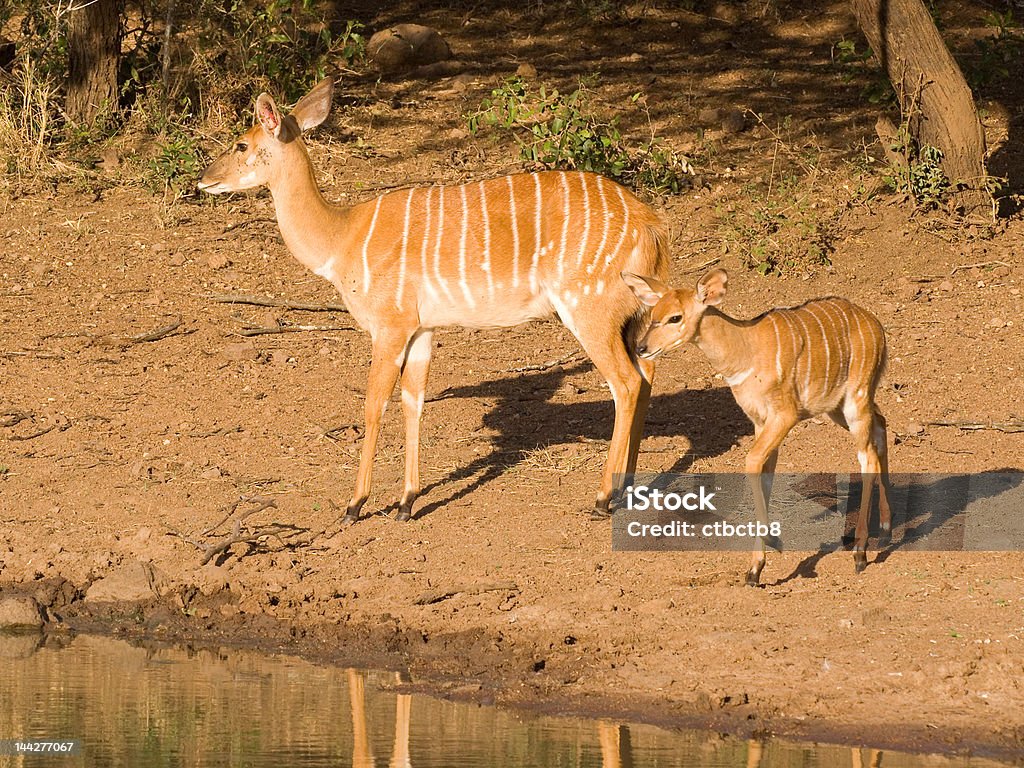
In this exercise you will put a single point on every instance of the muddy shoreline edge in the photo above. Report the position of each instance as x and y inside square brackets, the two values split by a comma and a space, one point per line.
[506, 679]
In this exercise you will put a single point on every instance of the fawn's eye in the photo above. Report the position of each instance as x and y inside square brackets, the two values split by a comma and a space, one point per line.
[241, 146]
[674, 319]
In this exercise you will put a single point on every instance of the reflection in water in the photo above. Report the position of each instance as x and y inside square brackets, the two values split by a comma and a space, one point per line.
[152, 705]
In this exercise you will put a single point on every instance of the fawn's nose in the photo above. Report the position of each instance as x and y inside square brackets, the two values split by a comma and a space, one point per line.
[641, 349]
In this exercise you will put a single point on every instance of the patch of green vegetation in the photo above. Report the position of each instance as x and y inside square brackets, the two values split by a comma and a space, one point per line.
[857, 64]
[558, 130]
[918, 174]
[177, 164]
[997, 56]
[782, 233]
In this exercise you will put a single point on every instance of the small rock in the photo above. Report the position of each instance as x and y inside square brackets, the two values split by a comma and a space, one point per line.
[218, 261]
[526, 71]
[175, 260]
[213, 473]
[279, 357]
[405, 46]
[110, 160]
[734, 121]
[1001, 271]
[709, 115]
[19, 614]
[437, 70]
[913, 428]
[458, 134]
[946, 285]
[240, 351]
[135, 582]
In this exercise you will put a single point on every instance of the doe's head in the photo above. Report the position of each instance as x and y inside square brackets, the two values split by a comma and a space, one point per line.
[676, 312]
[265, 151]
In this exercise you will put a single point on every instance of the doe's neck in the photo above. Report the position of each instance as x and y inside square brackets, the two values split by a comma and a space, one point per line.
[308, 223]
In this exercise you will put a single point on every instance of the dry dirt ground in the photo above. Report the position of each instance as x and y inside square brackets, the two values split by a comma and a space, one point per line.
[124, 444]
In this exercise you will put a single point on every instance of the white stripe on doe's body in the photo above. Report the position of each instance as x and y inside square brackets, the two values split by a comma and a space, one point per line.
[369, 252]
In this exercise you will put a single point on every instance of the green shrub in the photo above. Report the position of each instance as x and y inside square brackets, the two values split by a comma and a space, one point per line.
[556, 130]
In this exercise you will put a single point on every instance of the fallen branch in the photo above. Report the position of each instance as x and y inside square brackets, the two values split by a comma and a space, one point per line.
[1005, 426]
[543, 366]
[34, 435]
[263, 330]
[38, 355]
[259, 301]
[10, 418]
[978, 266]
[429, 598]
[157, 333]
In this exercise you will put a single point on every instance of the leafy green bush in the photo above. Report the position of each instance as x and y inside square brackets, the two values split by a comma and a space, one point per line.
[556, 130]
[997, 56]
[919, 174]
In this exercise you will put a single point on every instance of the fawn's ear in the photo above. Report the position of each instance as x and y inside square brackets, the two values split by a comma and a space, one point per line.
[711, 288]
[313, 108]
[648, 289]
[268, 115]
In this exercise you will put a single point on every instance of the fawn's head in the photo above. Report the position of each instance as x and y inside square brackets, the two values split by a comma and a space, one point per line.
[676, 313]
[264, 151]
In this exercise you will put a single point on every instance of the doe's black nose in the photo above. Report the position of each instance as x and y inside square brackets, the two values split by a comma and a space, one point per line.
[641, 349]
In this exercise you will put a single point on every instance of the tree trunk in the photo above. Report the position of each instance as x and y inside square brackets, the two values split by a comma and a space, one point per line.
[934, 97]
[94, 51]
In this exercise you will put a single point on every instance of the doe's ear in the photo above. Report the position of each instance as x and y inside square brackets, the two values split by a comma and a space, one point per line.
[711, 288]
[313, 108]
[268, 115]
[648, 289]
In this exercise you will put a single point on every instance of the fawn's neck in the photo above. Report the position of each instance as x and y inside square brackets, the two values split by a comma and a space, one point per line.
[725, 342]
[310, 226]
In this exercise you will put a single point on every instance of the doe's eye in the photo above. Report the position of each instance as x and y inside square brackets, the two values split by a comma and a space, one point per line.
[241, 146]
[674, 319]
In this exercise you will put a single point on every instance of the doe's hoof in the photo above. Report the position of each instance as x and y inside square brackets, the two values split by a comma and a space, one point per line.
[348, 519]
[752, 579]
[403, 516]
[884, 538]
[596, 513]
[860, 561]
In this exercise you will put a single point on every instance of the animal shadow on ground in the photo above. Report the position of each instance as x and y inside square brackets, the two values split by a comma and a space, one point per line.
[930, 512]
[525, 419]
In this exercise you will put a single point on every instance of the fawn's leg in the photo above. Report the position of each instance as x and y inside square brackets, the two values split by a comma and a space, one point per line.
[879, 436]
[861, 418]
[636, 432]
[764, 452]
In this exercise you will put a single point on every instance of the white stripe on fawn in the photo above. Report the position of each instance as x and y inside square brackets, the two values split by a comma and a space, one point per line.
[405, 250]
[778, 347]
[802, 355]
[366, 245]
[486, 266]
[462, 248]
[828, 349]
[515, 231]
[831, 310]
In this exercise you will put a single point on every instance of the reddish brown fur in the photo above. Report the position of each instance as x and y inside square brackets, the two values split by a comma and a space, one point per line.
[493, 253]
[789, 364]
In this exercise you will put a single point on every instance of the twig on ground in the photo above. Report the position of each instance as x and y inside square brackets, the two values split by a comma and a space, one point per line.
[263, 330]
[10, 418]
[157, 333]
[1005, 426]
[544, 366]
[978, 265]
[259, 301]
[34, 435]
[436, 596]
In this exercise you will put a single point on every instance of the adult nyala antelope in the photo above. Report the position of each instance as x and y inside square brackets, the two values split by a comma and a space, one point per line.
[495, 253]
[789, 364]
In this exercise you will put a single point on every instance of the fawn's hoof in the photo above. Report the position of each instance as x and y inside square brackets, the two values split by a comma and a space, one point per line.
[860, 561]
[597, 513]
[348, 519]
[753, 578]
[884, 538]
[404, 515]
